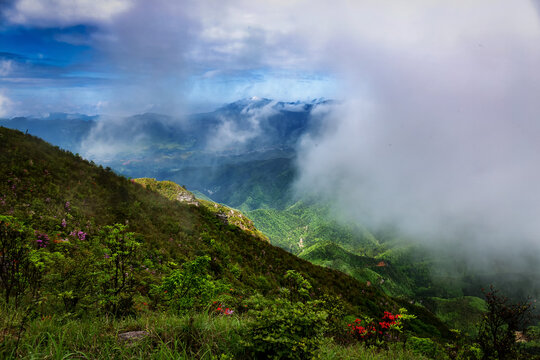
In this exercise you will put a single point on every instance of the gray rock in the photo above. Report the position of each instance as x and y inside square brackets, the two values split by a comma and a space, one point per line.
[132, 336]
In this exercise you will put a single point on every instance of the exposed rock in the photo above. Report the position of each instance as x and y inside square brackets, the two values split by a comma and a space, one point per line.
[187, 197]
[223, 217]
[132, 336]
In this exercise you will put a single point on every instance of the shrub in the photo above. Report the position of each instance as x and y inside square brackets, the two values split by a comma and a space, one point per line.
[423, 346]
[284, 328]
[191, 288]
[496, 335]
[18, 271]
[389, 328]
[119, 258]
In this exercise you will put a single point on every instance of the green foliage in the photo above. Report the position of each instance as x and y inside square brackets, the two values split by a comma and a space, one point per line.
[297, 287]
[195, 336]
[281, 329]
[116, 278]
[424, 346]
[289, 327]
[312, 222]
[462, 313]
[358, 351]
[90, 266]
[496, 335]
[191, 288]
[19, 268]
[176, 192]
[336, 320]
[366, 269]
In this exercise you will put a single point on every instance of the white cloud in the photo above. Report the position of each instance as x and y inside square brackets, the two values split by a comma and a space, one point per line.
[5, 104]
[232, 135]
[65, 12]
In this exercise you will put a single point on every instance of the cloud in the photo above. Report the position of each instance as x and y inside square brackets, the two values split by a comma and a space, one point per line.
[234, 134]
[153, 51]
[437, 135]
[5, 104]
[51, 13]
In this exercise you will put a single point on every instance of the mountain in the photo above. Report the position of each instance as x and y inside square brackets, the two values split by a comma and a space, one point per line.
[88, 244]
[242, 154]
[64, 130]
[67, 202]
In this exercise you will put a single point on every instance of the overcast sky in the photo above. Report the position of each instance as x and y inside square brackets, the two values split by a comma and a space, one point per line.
[440, 124]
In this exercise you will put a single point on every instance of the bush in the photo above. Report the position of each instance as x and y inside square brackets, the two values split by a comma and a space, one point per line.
[119, 258]
[191, 288]
[18, 271]
[423, 346]
[388, 328]
[496, 335]
[283, 328]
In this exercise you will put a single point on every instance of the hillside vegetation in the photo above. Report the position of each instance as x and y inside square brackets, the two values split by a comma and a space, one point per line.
[82, 246]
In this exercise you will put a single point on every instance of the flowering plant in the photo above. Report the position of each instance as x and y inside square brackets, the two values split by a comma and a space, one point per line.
[373, 332]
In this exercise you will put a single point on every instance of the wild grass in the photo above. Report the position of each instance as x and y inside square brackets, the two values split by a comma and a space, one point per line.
[200, 336]
[333, 351]
[195, 336]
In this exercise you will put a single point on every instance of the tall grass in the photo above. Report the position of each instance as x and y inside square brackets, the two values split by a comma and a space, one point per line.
[195, 336]
[333, 351]
[198, 336]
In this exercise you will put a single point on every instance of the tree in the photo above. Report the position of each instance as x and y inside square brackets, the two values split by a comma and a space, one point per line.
[503, 318]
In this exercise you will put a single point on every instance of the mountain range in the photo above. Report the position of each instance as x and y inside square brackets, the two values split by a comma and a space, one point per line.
[243, 155]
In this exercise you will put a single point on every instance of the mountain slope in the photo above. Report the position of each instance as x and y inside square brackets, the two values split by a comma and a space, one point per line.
[228, 215]
[368, 270]
[308, 222]
[62, 196]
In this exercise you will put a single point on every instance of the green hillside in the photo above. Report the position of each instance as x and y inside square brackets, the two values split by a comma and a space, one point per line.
[83, 243]
[245, 184]
[173, 191]
[306, 223]
[462, 313]
[368, 270]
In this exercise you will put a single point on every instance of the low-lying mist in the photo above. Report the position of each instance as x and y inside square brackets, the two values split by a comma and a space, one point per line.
[439, 132]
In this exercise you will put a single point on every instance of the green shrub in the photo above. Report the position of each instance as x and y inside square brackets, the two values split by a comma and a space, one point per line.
[118, 259]
[18, 271]
[423, 346]
[284, 328]
[191, 288]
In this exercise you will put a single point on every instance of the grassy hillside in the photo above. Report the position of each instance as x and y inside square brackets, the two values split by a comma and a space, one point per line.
[462, 313]
[42, 185]
[368, 270]
[92, 244]
[173, 191]
[306, 223]
[244, 185]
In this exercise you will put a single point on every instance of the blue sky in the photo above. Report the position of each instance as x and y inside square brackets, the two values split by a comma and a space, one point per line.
[126, 57]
